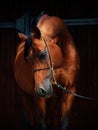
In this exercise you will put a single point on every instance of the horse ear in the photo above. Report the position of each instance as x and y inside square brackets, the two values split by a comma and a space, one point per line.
[34, 27]
[22, 36]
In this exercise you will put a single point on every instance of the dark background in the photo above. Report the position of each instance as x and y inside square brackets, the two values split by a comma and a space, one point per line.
[84, 112]
[68, 9]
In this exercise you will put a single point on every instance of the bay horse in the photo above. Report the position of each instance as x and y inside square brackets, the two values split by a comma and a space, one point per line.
[43, 60]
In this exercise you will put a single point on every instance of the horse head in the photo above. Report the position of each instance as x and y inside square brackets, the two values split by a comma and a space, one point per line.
[40, 58]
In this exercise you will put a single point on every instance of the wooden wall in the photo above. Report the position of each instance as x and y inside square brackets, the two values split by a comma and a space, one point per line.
[84, 112]
[10, 112]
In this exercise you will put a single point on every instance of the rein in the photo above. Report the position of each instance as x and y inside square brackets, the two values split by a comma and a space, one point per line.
[54, 79]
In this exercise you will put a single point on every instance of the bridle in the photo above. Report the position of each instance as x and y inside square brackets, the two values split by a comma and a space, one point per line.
[51, 67]
[50, 60]
[54, 82]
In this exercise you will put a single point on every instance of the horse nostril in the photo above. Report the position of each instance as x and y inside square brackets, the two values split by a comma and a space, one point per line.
[42, 91]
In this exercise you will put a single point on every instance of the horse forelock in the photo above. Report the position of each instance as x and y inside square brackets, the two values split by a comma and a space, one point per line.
[27, 45]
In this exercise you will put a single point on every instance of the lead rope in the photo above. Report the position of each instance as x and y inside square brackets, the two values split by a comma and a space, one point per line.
[75, 94]
[58, 85]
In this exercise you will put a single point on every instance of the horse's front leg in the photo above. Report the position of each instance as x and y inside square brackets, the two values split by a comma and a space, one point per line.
[40, 109]
[34, 112]
[66, 107]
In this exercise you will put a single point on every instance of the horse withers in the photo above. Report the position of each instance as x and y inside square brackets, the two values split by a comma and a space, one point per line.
[46, 58]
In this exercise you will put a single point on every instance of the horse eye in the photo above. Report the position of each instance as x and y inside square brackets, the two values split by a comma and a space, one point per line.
[42, 55]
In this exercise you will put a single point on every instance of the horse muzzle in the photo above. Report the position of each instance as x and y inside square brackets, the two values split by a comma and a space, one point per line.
[45, 91]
